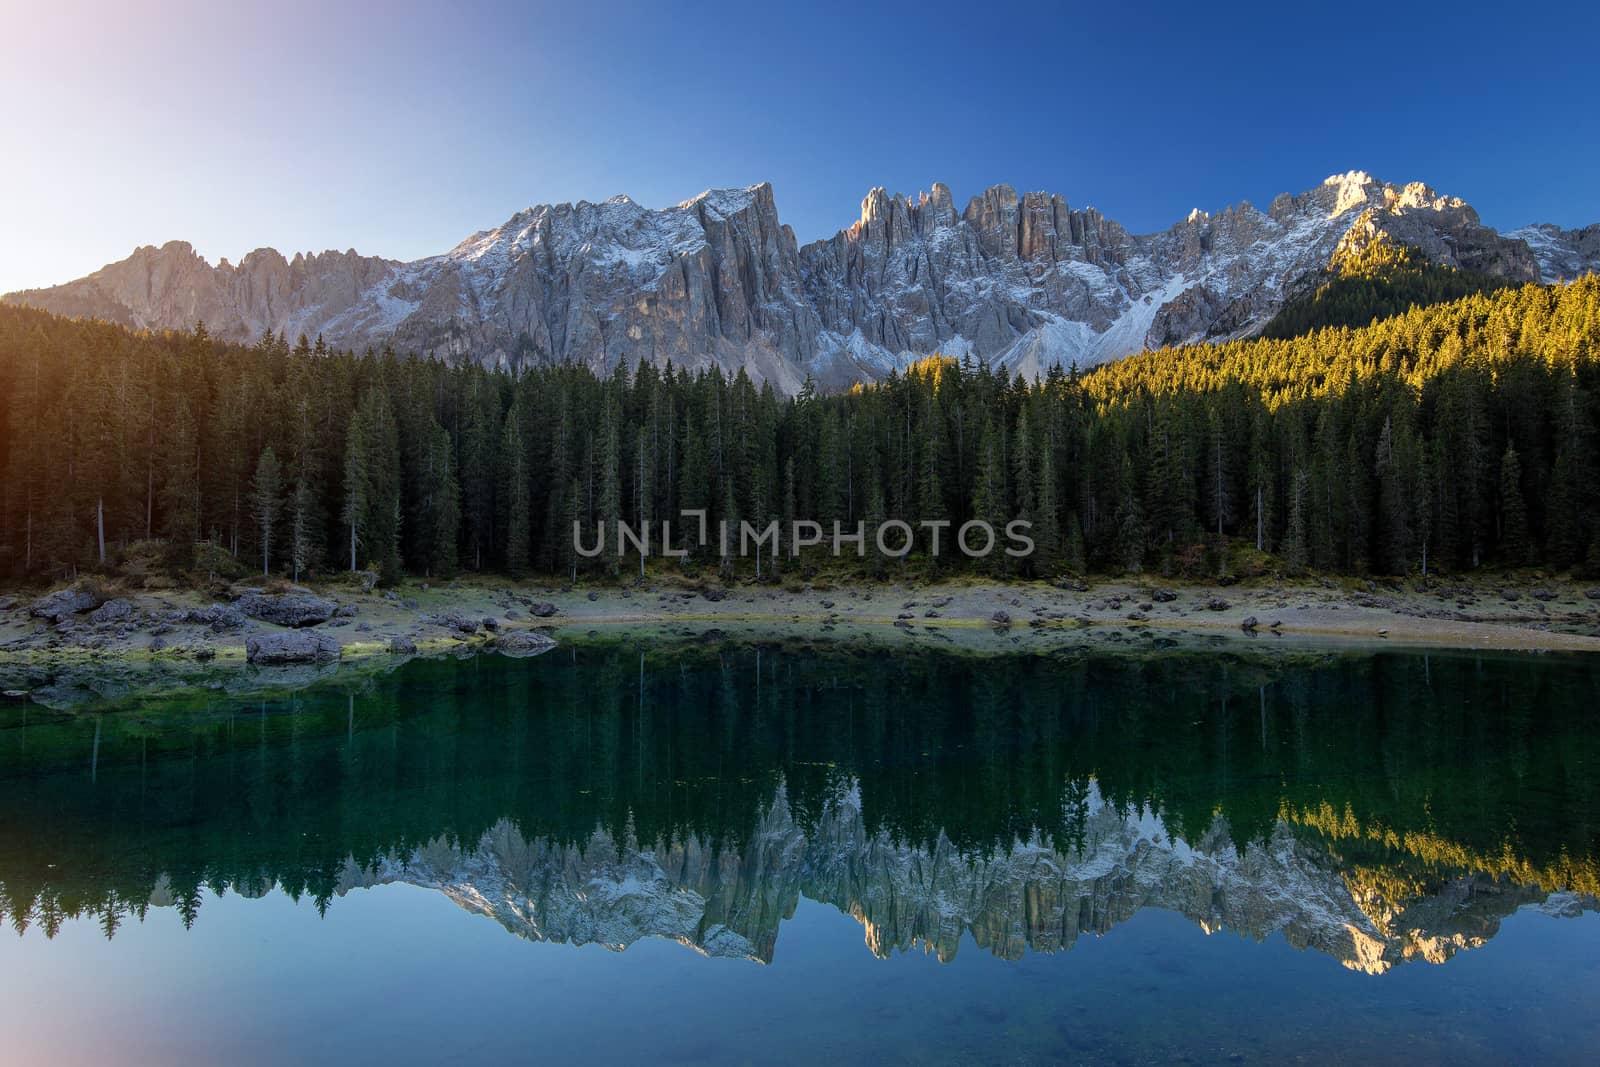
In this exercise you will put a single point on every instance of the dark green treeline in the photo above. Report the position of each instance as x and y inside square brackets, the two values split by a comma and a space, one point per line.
[1442, 439]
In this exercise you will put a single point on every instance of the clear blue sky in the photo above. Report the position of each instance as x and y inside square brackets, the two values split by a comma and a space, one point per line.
[400, 129]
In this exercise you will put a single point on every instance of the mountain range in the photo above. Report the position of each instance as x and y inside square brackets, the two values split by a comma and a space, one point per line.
[1022, 282]
[1026, 896]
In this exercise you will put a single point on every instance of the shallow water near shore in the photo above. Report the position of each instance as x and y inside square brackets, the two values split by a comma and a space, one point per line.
[741, 850]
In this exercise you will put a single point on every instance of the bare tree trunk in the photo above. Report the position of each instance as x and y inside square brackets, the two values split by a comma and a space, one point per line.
[100, 526]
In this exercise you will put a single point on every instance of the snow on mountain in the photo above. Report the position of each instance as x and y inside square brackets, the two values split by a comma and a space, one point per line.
[1024, 282]
[1562, 254]
[1030, 896]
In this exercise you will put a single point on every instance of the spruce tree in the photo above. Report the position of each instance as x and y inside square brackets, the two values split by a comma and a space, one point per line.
[1514, 544]
[266, 490]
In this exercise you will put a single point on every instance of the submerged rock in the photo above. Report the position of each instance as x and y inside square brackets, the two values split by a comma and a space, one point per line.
[522, 643]
[279, 648]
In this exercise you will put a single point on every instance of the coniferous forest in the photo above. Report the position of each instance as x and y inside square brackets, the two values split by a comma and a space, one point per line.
[1442, 439]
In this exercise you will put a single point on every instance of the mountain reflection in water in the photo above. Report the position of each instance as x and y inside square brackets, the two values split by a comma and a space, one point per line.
[1379, 809]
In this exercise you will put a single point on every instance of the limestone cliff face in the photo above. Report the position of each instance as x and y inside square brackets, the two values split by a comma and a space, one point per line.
[1023, 281]
[173, 287]
[1562, 254]
[1031, 896]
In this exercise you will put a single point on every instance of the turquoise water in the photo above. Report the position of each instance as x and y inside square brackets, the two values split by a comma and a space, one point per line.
[757, 853]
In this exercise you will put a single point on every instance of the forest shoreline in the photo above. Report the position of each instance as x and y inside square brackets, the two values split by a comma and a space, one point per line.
[1508, 613]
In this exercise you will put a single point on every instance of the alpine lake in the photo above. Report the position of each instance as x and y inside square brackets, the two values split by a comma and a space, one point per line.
[746, 850]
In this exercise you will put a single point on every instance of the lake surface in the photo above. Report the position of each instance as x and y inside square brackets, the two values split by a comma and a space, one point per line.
[758, 853]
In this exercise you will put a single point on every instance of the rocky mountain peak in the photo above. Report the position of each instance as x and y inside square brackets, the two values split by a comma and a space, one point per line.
[1021, 281]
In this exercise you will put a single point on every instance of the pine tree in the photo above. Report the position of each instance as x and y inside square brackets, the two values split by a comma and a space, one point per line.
[1047, 525]
[1514, 544]
[1296, 539]
[1129, 519]
[439, 514]
[353, 509]
[180, 484]
[383, 485]
[515, 493]
[609, 505]
[266, 490]
[305, 510]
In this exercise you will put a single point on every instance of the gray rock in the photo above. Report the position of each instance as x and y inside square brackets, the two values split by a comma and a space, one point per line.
[303, 647]
[1000, 619]
[287, 609]
[64, 603]
[221, 618]
[454, 620]
[522, 643]
[402, 646]
[1216, 603]
[111, 611]
[542, 609]
[1249, 624]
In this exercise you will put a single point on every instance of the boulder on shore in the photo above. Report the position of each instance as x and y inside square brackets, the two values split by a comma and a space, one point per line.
[463, 625]
[402, 646]
[219, 617]
[111, 611]
[64, 602]
[287, 609]
[278, 648]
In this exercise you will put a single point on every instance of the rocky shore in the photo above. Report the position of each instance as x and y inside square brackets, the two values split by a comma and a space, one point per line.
[306, 627]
